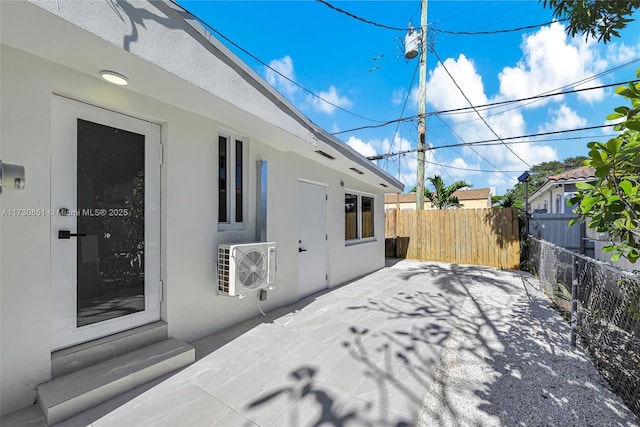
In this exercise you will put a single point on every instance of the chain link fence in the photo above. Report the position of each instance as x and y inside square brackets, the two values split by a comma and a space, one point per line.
[606, 311]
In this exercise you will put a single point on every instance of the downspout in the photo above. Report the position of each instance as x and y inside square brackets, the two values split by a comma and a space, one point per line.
[261, 201]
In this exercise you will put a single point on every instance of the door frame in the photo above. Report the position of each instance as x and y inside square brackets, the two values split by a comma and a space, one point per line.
[64, 115]
[326, 232]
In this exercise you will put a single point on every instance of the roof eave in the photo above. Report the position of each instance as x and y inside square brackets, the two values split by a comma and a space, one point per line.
[282, 103]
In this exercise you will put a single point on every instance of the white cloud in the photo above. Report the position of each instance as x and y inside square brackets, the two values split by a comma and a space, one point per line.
[552, 61]
[619, 52]
[283, 80]
[563, 118]
[460, 168]
[442, 92]
[611, 130]
[334, 100]
[365, 148]
[284, 66]
[398, 96]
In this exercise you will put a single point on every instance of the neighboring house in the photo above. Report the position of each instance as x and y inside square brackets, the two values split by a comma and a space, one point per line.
[470, 199]
[550, 214]
[554, 194]
[600, 240]
[131, 189]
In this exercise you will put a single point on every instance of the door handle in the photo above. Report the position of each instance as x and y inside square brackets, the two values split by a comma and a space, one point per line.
[66, 234]
[302, 250]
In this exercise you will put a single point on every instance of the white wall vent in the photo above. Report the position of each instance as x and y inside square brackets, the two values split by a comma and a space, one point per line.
[244, 267]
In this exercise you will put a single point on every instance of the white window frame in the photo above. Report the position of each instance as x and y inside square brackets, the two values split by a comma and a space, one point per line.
[231, 224]
[359, 238]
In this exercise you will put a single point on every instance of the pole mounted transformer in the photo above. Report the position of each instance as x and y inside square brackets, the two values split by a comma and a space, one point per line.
[411, 43]
[415, 43]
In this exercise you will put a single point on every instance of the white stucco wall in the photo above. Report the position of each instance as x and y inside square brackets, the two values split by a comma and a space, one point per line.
[25, 290]
[549, 196]
[189, 209]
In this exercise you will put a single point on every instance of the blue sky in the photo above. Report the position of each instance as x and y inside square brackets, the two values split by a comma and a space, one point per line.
[361, 70]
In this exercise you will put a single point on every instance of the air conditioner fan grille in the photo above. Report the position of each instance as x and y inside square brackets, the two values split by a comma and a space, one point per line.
[252, 269]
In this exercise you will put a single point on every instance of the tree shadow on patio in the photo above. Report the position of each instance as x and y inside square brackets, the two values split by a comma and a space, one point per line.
[314, 404]
[510, 363]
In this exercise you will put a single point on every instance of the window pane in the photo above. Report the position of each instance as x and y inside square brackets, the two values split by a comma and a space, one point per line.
[238, 181]
[350, 216]
[222, 179]
[367, 217]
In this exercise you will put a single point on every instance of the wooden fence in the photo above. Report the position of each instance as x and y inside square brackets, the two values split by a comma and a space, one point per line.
[487, 237]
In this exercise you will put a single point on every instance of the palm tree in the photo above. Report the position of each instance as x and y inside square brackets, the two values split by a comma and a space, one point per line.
[443, 197]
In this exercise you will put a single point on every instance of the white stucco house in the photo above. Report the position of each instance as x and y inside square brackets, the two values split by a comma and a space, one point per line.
[554, 194]
[132, 189]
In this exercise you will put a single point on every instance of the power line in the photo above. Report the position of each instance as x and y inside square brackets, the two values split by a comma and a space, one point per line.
[404, 106]
[390, 122]
[469, 33]
[470, 146]
[470, 170]
[366, 21]
[237, 46]
[494, 104]
[512, 30]
[474, 109]
[579, 82]
[541, 96]
[434, 163]
[489, 142]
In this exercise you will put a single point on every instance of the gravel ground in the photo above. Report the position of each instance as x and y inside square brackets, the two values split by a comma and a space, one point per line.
[508, 362]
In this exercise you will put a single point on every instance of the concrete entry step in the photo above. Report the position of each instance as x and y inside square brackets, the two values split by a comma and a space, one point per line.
[66, 396]
[68, 360]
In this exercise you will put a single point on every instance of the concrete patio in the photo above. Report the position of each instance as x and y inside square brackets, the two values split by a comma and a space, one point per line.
[370, 353]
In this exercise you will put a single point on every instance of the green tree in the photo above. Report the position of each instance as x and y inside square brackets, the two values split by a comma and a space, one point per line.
[442, 197]
[594, 18]
[506, 201]
[538, 176]
[612, 203]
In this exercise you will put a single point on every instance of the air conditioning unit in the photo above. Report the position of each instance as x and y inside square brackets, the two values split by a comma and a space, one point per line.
[244, 267]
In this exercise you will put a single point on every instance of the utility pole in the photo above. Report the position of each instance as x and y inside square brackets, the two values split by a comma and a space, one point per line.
[422, 102]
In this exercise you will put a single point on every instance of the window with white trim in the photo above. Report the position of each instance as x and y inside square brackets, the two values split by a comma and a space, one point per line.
[358, 216]
[231, 180]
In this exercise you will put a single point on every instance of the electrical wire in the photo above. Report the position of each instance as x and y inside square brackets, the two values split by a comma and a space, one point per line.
[404, 106]
[579, 82]
[471, 33]
[483, 107]
[390, 122]
[489, 142]
[512, 30]
[432, 163]
[366, 21]
[261, 62]
[468, 169]
[474, 109]
[470, 146]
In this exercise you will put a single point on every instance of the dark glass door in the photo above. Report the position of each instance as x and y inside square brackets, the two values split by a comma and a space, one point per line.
[110, 223]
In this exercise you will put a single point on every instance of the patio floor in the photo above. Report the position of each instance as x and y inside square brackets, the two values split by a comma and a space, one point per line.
[363, 354]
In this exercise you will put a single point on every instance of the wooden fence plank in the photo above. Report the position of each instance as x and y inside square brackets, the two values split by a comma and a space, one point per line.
[465, 236]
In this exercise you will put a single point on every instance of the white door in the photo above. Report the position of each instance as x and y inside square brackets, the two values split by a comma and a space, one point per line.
[105, 222]
[312, 237]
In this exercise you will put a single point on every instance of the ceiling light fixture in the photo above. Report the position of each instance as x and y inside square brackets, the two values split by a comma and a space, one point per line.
[115, 78]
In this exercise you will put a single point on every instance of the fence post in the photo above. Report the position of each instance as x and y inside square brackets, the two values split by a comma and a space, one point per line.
[574, 299]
